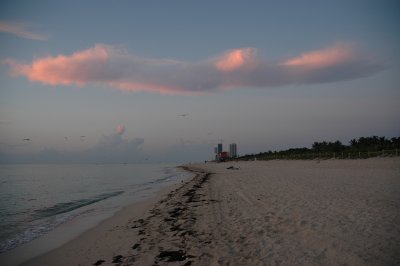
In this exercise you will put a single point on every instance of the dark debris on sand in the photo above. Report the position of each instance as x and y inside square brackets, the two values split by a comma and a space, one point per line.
[178, 218]
[167, 255]
[118, 259]
[99, 262]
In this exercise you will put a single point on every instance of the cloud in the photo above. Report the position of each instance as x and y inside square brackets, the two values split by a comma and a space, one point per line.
[236, 59]
[114, 149]
[109, 149]
[115, 67]
[120, 129]
[21, 30]
[335, 55]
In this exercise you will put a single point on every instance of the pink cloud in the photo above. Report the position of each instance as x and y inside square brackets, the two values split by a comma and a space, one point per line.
[21, 30]
[330, 56]
[65, 70]
[120, 129]
[114, 67]
[235, 59]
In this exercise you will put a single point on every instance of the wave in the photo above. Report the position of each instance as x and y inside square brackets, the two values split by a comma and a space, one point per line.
[171, 173]
[46, 219]
[164, 179]
[34, 231]
[64, 207]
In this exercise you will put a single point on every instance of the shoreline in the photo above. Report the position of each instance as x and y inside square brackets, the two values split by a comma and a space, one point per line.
[51, 247]
[116, 239]
[255, 213]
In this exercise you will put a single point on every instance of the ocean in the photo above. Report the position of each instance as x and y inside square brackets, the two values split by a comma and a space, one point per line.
[36, 199]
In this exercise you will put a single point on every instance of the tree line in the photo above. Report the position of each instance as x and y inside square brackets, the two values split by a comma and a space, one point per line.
[363, 147]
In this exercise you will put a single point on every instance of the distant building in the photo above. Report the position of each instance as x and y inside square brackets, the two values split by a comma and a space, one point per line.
[233, 150]
[216, 153]
[223, 155]
[219, 147]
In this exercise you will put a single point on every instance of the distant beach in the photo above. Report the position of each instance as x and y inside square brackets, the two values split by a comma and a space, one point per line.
[327, 212]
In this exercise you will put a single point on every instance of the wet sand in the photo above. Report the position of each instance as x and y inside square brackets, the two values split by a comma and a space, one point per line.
[333, 212]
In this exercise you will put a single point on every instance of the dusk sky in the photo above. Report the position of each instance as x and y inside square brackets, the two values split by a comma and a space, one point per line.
[165, 81]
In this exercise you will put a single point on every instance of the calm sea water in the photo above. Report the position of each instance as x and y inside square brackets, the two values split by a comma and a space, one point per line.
[35, 199]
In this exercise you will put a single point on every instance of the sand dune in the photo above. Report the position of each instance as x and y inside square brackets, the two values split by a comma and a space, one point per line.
[334, 212]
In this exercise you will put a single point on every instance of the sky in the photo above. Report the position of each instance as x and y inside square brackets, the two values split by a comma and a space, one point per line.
[165, 81]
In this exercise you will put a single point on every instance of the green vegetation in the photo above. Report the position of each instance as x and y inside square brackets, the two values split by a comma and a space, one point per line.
[364, 147]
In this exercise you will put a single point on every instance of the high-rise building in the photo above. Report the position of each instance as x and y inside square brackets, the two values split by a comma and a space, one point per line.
[219, 147]
[233, 150]
[215, 153]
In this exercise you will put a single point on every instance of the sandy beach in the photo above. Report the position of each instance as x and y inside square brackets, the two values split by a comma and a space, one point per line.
[328, 212]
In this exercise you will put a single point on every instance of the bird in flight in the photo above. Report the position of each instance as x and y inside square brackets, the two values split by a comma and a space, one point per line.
[27, 139]
[183, 115]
